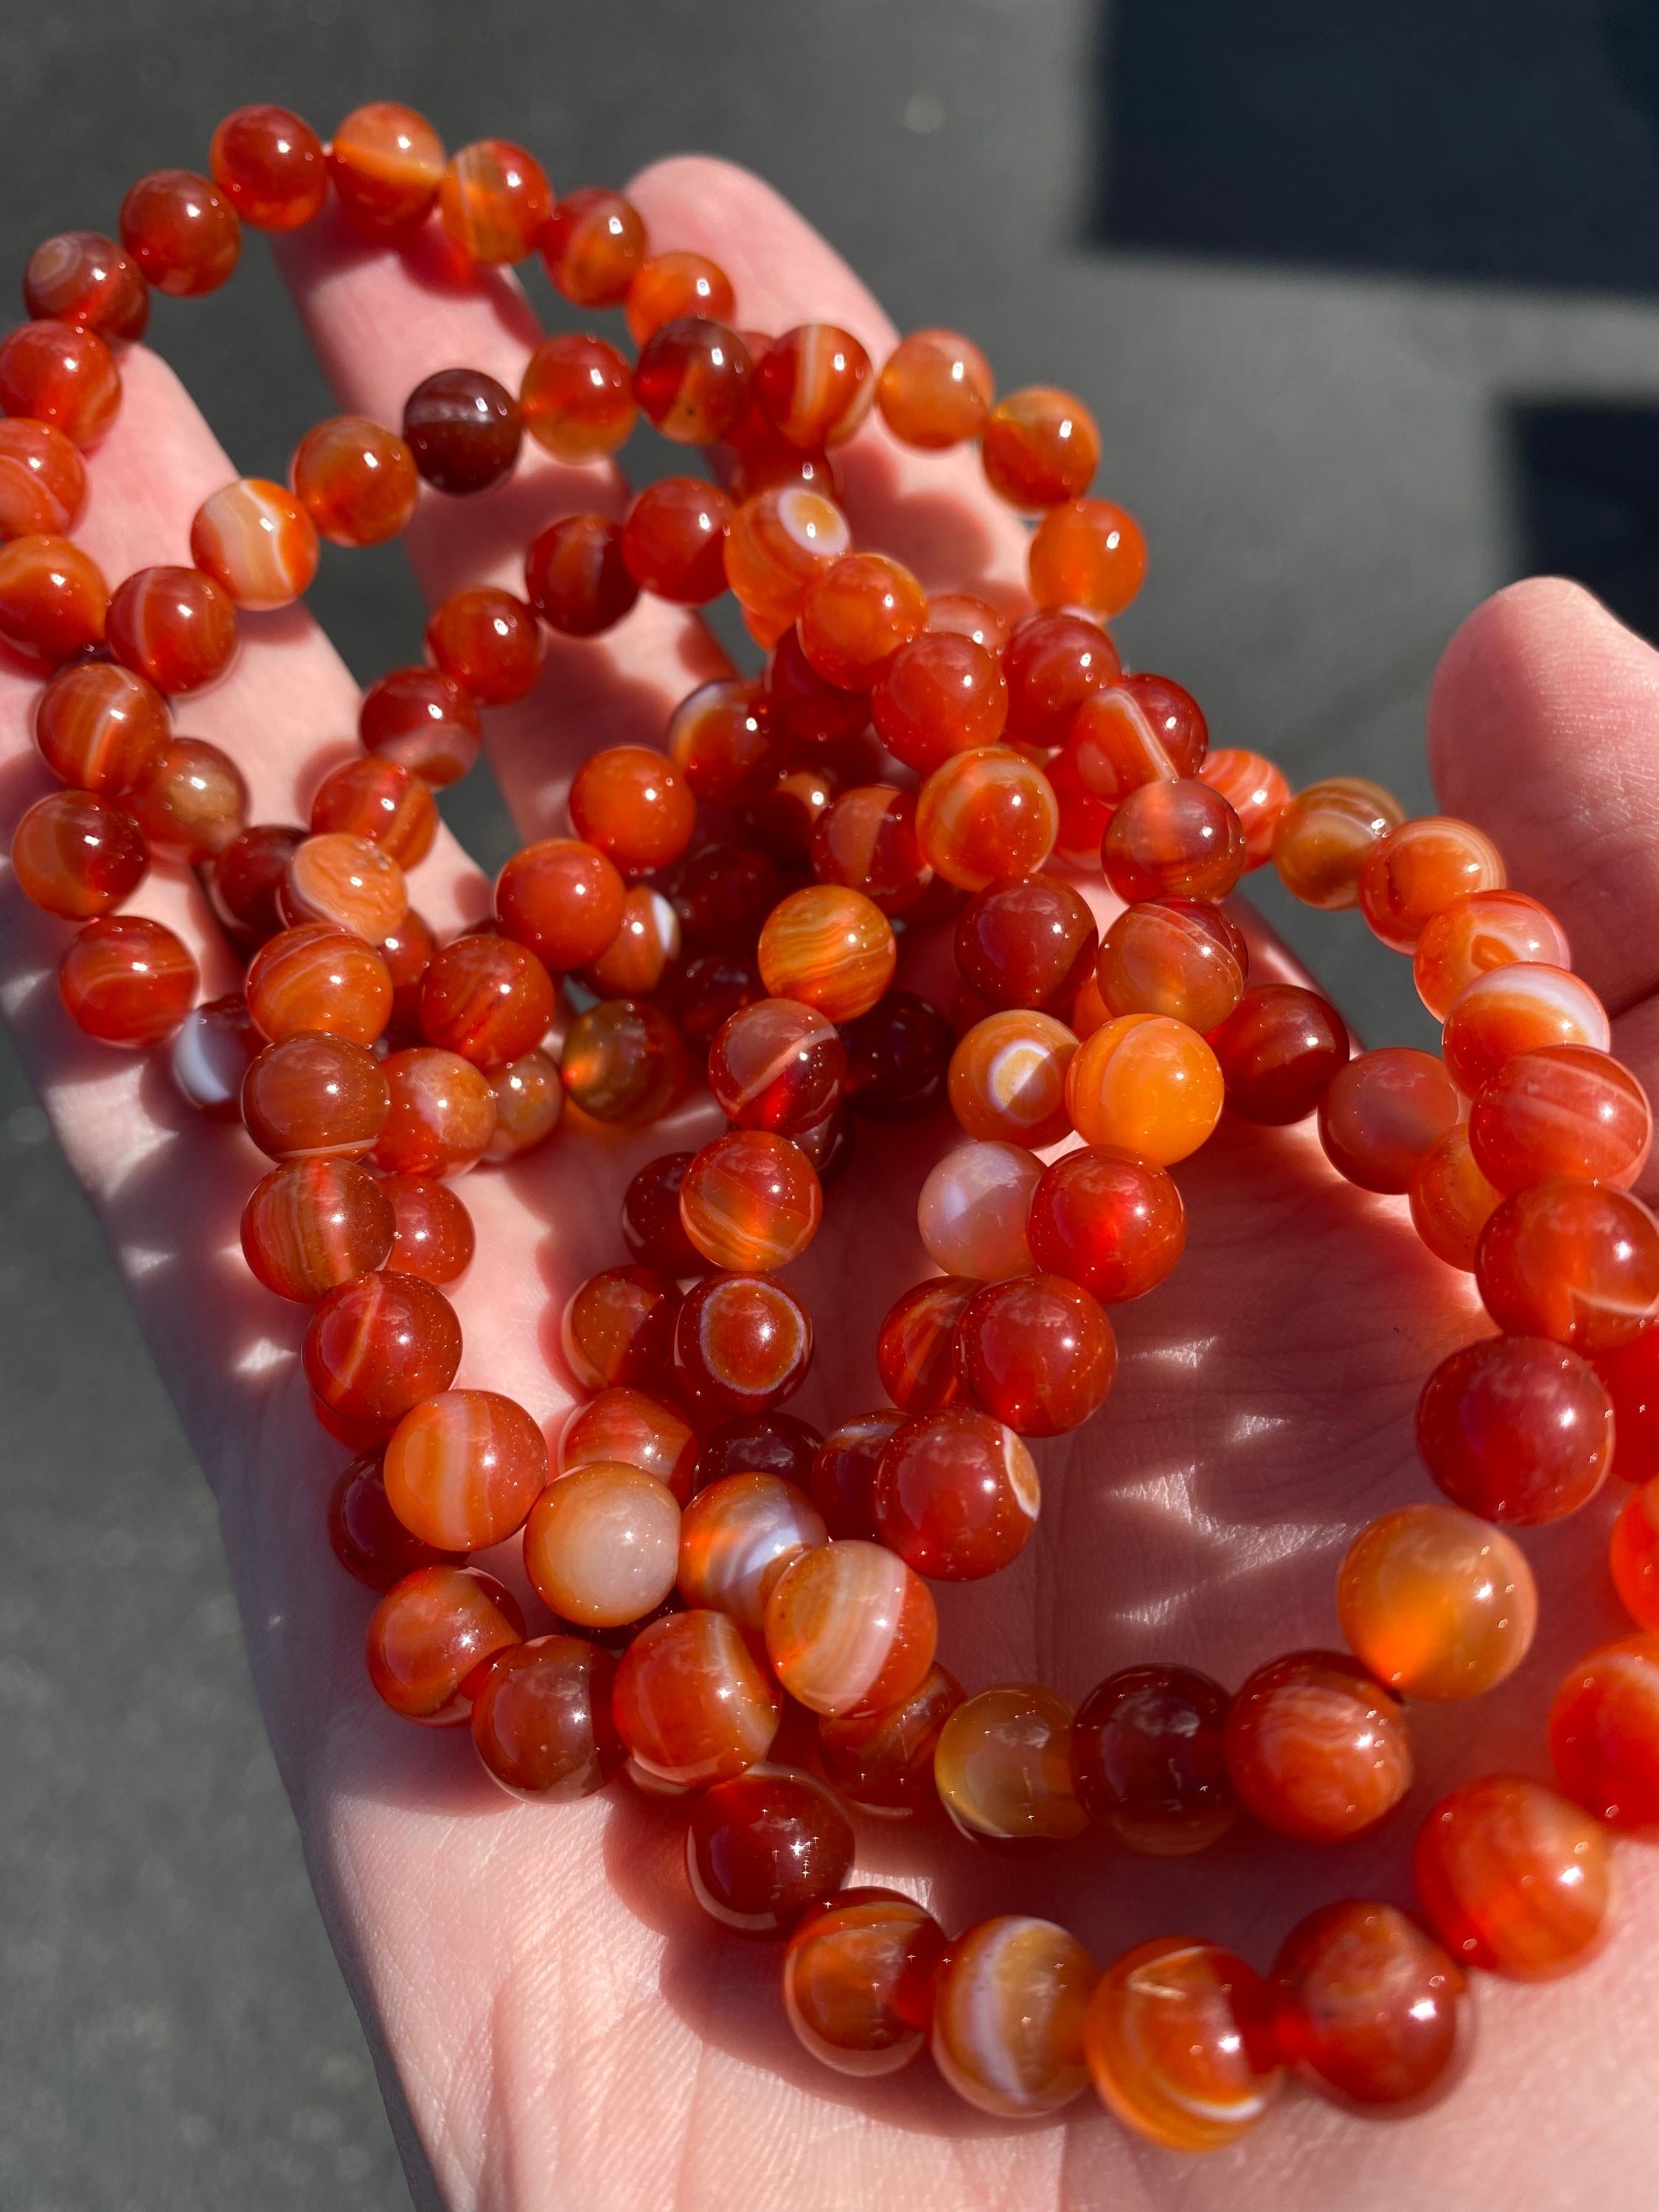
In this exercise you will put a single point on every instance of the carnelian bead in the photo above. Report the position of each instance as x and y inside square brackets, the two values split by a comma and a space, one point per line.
[314, 1224]
[1325, 834]
[1316, 1748]
[55, 374]
[43, 480]
[1037, 1353]
[368, 1539]
[378, 1344]
[52, 599]
[1451, 1200]
[489, 641]
[737, 1537]
[257, 542]
[856, 616]
[1002, 1767]
[101, 728]
[1136, 729]
[191, 802]
[1147, 1761]
[1481, 930]
[760, 1443]
[849, 1628]
[940, 693]
[1417, 870]
[1516, 1429]
[494, 199]
[1086, 553]
[1436, 1603]
[842, 1472]
[935, 390]
[1145, 1084]
[668, 286]
[575, 576]
[1114, 1225]
[1040, 448]
[618, 1328]
[432, 1233]
[270, 165]
[320, 978]
[857, 1981]
[344, 880]
[1514, 1877]
[386, 163]
[127, 981]
[1052, 663]
[314, 1096]
[1279, 1052]
[778, 1065]
[816, 383]
[806, 706]
[577, 398]
[1633, 1553]
[778, 544]
[529, 1105]
[693, 380]
[1368, 2009]
[1564, 1110]
[623, 1062]
[722, 740]
[1009, 2006]
[1026, 941]
[830, 948]
[742, 1344]
[1007, 1078]
[757, 457]
[986, 814]
[355, 481]
[1602, 1737]
[634, 804]
[631, 1428]
[1173, 840]
[971, 1211]
[175, 626]
[1518, 1007]
[1179, 2037]
[542, 1722]
[464, 429]
[1088, 1010]
[381, 802]
[211, 1052]
[464, 1468]
[955, 1493]
[441, 1116]
[182, 234]
[962, 615]
[865, 840]
[1380, 1113]
[431, 1639]
[885, 1760]
[1630, 1378]
[1575, 1261]
[1178, 956]
[423, 721]
[593, 246]
[645, 946]
[674, 540]
[486, 998]
[914, 1351]
[77, 855]
[1256, 791]
[82, 278]
[692, 1703]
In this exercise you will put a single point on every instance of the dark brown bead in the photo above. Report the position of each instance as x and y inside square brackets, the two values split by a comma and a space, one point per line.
[1147, 1759]
[897, 1057]
[763, 1849]
[651, 1225]
[760, 1443]
[464, 429]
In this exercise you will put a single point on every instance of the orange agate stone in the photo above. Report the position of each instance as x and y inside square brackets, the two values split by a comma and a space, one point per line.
[1316, 1748]
[1009, 2007]
[1146, 1085]
[1515, 1878]
[463, 1468]
[1436, 1603]
[1179, 2036]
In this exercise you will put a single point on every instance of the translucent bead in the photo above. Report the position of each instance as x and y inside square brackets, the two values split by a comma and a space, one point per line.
[1040, 447]
[1173, 840]
[463, 1469]
[1087, 553]
[986, 814]
[464, 430]
[257, 542]
[489, 641]
[1026, 941]
[692, 1703]
[935, 390]
[1520, 1006]
[487, 998]
[939, 695]
[1316, 1748]
[1451, 1199]
[830, 948]
[751, 1201]
[76, 856]
[1002, 1767]
[52, 600]
[344, 881]
[1630, 1378]
[766, 1848]
[1515, 1879]
[1325, 835]
[1516, 1429]
[1136, 729]
[408, 951]
[386, 163]
[314, 1096]
[1009, 2007]
[807, 707]
[1575, 1261]
[210, 1056]
[494, 199]
[182, 233]
[775, 1444]
[671, 284]
[674, 540]
[431, 1639]
[378, 1344]
[856, 615]
[779, 542]
[356, 481]
[1179, 2037]
[1382, 1113]
[622, 1063]
[390, 805]
[602, 1544]
[173, 626]
[1602, 1735]
[618, 1328]
[58, 374]
[897, 1058]
[960, 615]
[631, 1428]
[1052, 664]
[127, 981]
[742, 1344]
[314, 1224]
[1112, 1225]
[857, 1981]
[885, 1760]
[577, 398]
[721, 738]
[633, 805]
[318, 978]
[758, 457]
[1147, 1762]
[1436, 1603]
[693, 380]
[594, 245]
[914, 1351]
[1633, 1553]
[1146, 1085]
[1279, 1051]
[542, 1722]
[642, 951]
[1562, 1111]
[442, 1114]
[816, 383]
[1178, 956]
[246, 877]
[190, 802]
[1037, 1353]
[651, 1225]
[529, 1105]
[366, 1537]
[737, 1536]
[971, 1212]
[1256, 791]
[956, 1494]
[779, 1064]
[270, 165]
[1417, 870]
[43, 480]
[1368, 2009]
[849, 1628]
[1007, 1078]
[1481, 930]
[562, 898]
[724, 896]
[433, 1235]
[86, 280]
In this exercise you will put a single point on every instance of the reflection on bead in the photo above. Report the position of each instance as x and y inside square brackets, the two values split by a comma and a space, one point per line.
[175, 626]
[985, 814]
[1436, 1603]
[1008, 2016]
[318, 978]
[356, 481]
[431, 1637]
[1571, 1260]
[314, 1224]
[1324, 834]
[1087, 553]
[751, 1201]
[55, 374]
[1480, 931]
[623, 1062]
[366, 1537]
[463, 1468]
[77, 855]
[1037, 1353]
[829, 947]
[1368, 2009]
[1602, 1736]
[386, 162]
[1562, 1111]
[494, 199]
[972, 1210]
[1279, 1051]
[955, 1493]
[594, 245]
[602, 1544]
[766, 1848]
[378, 1344]
[82, 278]
[1316, 1748]
[314, 1096]
[1040, 447]
[1179, 2037]
[433, 1236]
[1514, 1877]
[441, 1116]
[53, 600]
[1113, 1224]
[542, 1722]
[742, 1344]
[270, 165]
[618, 1328]
[43, 480]
[1178, 956]
[1382, 1113]
[671, 284]
[849, 1628]
[1256, 791]
[1146, 1085]
[1633, 1551]
[1007, 1078]
[935, 390]
[1002, 1767]
[693, 1703]
[631, 1428]
[1147, 1760]
[857, 1981]
[1517, 1008]
[127, 981]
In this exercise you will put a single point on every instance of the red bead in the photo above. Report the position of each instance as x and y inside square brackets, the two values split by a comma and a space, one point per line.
[1562, 1111]
[1418, 870]
[1630, 1377]
[708, 989]
[368, 1539]
[77, 855]
[1114, 1225]
[775, 1444]
[1173, 840]
[914, 1352]
[386, 163]
[320, 978]
[81, 277]
[884, 1759]
[486, 998]
[849, 1628]
[742, 1344]
[939, 695]
[856, 616]
[52, 599]
[956, 1494]
[464, 1468]
[631, 1428]
[1180, 2044]
[784, 820]
[1602, 1736]
[778, 1065]
[985, 815]
[623, 1062]
[899, 1058]
[1147, 1762]
[634, 804]
[722, 740]
[431, 1639]
[56, 373]
[422, 720]
[935, 390]
[432, 1231]
[577, 398]
[1026, 941]
[1279, 1051]
[1257, 793]
[843, 1473]
[1368, 2009]
[463, 429]
[1516, 1429]
[668, 285]
[751, 1201]
[1478, 931]
[489, 641]
[618, 1328]
[806, 706]
[1040, 447]
[529, 1105]
[1520, 1006]
[441, 1116]
[1037, 1353]
[314, 1224]
[346, 881]
[1052, 663]
[576, 577]
[211, 1052]
[1575, 1261]
[182, 234]
[1451, 1199]
[692, 1703]
[1007, 1078]
[175, 626]
[314, 1096]
[270, 165]
[816, 383]
[376, 799]
[651, 1224]
[1515, 1879]
[674, 540]
[767, 1848]
[101, 728]
[857, 1981]
[126, 981]
[542, 1722]
[594, 245]
[1179, 957]
[43, 480]
[1087, 553]
[692, 379]
[1382, 1113]
[1316, 1748]
[865, 839]
[355, 481]
[494, 199]
[757, 457]
[377, 1345]
[1137, 730]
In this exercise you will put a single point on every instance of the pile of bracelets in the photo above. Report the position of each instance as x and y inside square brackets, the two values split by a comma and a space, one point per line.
[905, 759]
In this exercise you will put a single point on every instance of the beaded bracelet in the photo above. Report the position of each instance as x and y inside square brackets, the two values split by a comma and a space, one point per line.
[703, 1552]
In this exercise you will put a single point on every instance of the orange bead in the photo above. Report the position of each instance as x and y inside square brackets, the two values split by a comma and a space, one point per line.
[972, 1211]
[1518, 1007]
[270, 168]
[829, 947]
[43, 480]
[631, 1428]
[529, 1105]
[941, 694]
[356, 481]
[127, 981]
[1382, 1113]
[494, 199]
[692, 1703]
[669, 285]
[865, 840]
[1418, 871]
[541, 1720]
[314, 1096]
[1040, 447]
[55, 374]
[379, 802]
[1436, 1603]
[1135, 730]
[463, 1469]
[1002, 1767]
[173, 626]
[52, 599]
[431, 1639]
[635, 805]
[856, 615]
[577, 398]
[816, 383]
[441, 1116]
[594, 245]
[1575, 1261]
[1007, 1078]
[1009, 2007]
[386, 163]
[618, 1328]
[487, 999]
[346, 881]
[623, 1063]
[1173, 841]
[1633, 1554]
[849, 1628]
[378, 1344]
[562, 898]
[257, 542]
[1179, 2037]
[81, 277]
[935, 390]
[1316, 1748]
[181, 231]
[723, 742]
[778, 544]
[751, 1201]
[1481, 930]
[960, 615]
[1258, 793]
[1368, 2009]
[1052, 663]
[76, 856]
[1179, 957]
[737, 1536]
[101, 728]
[1515, 1879]
[986, 813]
[1036, 1353]
[645, 947]
[1146, 1085]
[1087, 553]
[320, 978]
[489, 642]
[432, 1235]
[674, 541]
[1604, 1734]
[1451, 1200]
[1324, 835]
[314, 1224]
[192, 803]
[857, 1981]
[576, 577]
[1562, 1111]
[693, 380]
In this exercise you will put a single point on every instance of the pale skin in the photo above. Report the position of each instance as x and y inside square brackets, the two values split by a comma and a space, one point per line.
[558, 2028]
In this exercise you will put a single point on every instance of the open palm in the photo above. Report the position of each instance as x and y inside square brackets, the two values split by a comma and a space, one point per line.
[558, 2026]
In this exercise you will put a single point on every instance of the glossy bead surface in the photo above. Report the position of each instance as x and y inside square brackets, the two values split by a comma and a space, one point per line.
[1380, 1113]
[673, 541]
[76, 854]
[356, 481]
[631, 1428]
[1040, 448]
[1111, 1224]
[1316, 1748]
[384, 162]
[633, 805]
[737, 1537]
[257, 542]
[816, 383]
[43, 480]
[1603, 1738]
[640, 955]
[775, 1444]
[52, 600]
[431, 1637]
[766, 1848]
[127, 981]
[849, 1628]
[1520, 1006]
[779, 1064]
[885, 1760]
[601, 1543]
[1146, 1085]
[318, 978]
[211, 1054]
[618, 1328]
[487, 998]
[1009, 2007]
[54, 373]
[830, 948]
[1417, 870]
[245, 877]
[1325, 834]
[378, 1344]
[986, 814]
[1634, 1553]
[1481, 930]
[181, 231]
[314, 1096]
[935, 390]
[464, 429]
[576, 577]
[441, 1116]
[955, 1493]
[594, 245]
[1052, 663]
[489, 641]
[623, 1062]
[855, 616]
[1278, 1053]
[751, 1201]
[1516, 1429]
[1178, 956]
[1451, 1200]
[721, 738]
[191, 802]
[806, 706]
[692, 1703]
[667, 285]
[344, 881]
[269, 166]
[464, 1468]
[1173, 840]
[577, 398]
[562, 898]
[1436, 1603]
[1002, 1767]
[82, 278]
[1026, 941]
[1037, 1353]
[1147, 1761]
[857, 1981]
[1256, 791]
[1179, 2037]
[432, 1234]
[314, 1224]
[1007, 1078]
[693, 380]
[494, 199]
[972, 1210]
[914, 1351]
[542, 1722]
[1368, 2009]
[1514, 1877]
[742, 1344]
[651, 1225]
[529, 1105]
[173, 626]
[366, 1537]
[1575, 1261]
[1564, 1110]
[1137, 730]
[939, 695]
[1087, 553]
[391, 806]
[408, 951]
[897, 1058]
[779, 542]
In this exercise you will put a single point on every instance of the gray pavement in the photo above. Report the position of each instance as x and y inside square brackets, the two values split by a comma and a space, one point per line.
[1334, 459]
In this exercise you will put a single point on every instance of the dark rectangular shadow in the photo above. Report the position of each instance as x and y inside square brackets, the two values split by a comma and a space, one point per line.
[1585, 480]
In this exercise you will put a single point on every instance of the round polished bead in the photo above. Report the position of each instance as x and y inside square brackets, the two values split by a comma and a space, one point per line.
[785, 819]
[1083, 818]
[175, 626]
[257, 542]
[899, 1058]
[378, 1344]
[1179, 2038]
[751, 1201]
[830, 948]
[314, 1224]
[1316, 1748]
[651, 1225]
[602, 1544]
[1002, 1767]
[668, 285]
[356, 481]
[431, 1639]
[464, 429]
[43, 480]
[408, 951]
[1419, 869]
[914, 1352]
[857, 1981]
[631, 1428]
[192, 803]
[576, 577]
[318, 978]
[86, 280]
[1564, 1110]
[314, 1096]
[806, 706]
[1087, 553]
[1026, 941]
[211, 1054]
[856, 615]
[77, 855]
[1382, 1113]
[1040, 448]
[52, 600]
[722, 740]
[594, 245]
[1451, 1200]
[1007, 1078]
[1514, 1877]
[644, 949]
[622, 1063]
[779, 542]
[127, 981]
[54, 373]
[779, 1064]
[693, 380]
[1113, 1224]
[633, 805]
[442, 1114]
[849, 1628]
[1478, 931]
[1602, 1735]
[464, 1468]
[1256, 791]
[693, 1703]
[1368, 2009]
[1009, 2006]
[972, 1210]
[182, 234]
[562, 898]
[433, 1236]
[542, 1722]
[1037, 1353]
[344, 881]
[1146, 1085]
[939, 695]
[742, 1344]
[1137, 730]
[1147, 1760]
[1173, 840]
[1516, 1429]
[388, 806]
[935, 390]
[766, 1848]
[1575, 1261]
[1178, 956]
[245, 877]
[577, 398]
[673, 541]
[816, 383]
[758, 457]
[955, 1493]
[270, 165]
[885, 1760]
[1520, 1007]
[489, 641]
[494, 199]
[1279, 1052]
[737, 1537]
[366, 1537]
[1324, 835]
[1052, 664]
[618, 1328]
[1436, 1603]
[529, 1105]
[386, 163]
[984, 815]
[487, 998]
[775, 1444]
